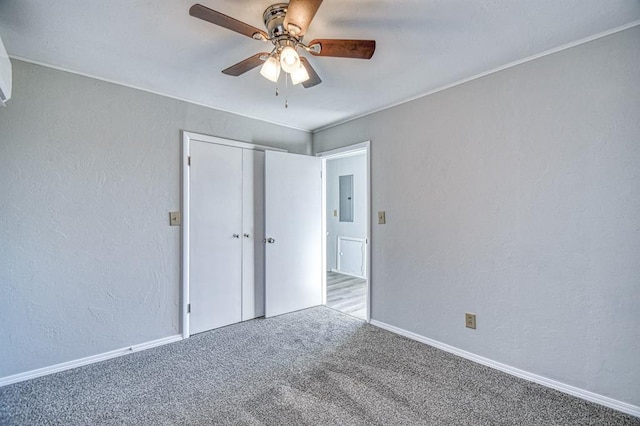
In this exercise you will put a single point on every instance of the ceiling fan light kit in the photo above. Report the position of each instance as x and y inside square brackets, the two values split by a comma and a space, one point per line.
[289, 59]
[286, 25]
[300, 75]
[271, 69]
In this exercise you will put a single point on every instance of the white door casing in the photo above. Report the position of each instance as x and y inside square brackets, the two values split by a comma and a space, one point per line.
[293, 224]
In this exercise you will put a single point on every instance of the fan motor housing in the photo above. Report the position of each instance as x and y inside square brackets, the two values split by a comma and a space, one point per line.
[274, 19]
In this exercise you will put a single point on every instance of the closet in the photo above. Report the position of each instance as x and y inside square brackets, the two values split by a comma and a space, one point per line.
[251, 232]
[226, 231]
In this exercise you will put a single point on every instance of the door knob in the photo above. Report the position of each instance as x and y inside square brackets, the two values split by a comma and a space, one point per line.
[236, 235]
[246, 235]
[271, 240]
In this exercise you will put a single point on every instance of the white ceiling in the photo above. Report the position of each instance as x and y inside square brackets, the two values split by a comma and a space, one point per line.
[422, 45]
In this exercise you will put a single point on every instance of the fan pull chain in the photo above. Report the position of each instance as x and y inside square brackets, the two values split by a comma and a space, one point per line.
[286, 90]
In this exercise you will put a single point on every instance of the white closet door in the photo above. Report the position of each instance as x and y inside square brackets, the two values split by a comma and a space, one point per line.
[293, 219]
[215, 244]
[253, 234]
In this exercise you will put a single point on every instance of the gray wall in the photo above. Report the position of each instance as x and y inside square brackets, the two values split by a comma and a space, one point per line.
[357, 166]
[88, 173]
[517, 196]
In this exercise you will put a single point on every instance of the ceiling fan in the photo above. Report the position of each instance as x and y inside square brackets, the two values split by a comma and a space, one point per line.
[286, 25]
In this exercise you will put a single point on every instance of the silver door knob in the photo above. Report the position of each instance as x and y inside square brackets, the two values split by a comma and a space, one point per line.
[246, 235]
[271, 240]
[236, 235]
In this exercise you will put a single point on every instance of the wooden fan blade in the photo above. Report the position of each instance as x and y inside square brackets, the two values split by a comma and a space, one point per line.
[299, 15]
[314, 79]
[246, 65]
[360, 49]
[210, 15]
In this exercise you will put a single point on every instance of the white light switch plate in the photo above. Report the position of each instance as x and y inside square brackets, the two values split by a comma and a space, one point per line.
[382, 218]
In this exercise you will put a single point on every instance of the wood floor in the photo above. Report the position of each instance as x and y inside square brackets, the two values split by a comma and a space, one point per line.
[347, 294]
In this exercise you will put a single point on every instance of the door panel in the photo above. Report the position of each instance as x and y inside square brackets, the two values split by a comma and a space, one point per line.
[293, 218]
[253, 234]
[215, 262]
[352, 256]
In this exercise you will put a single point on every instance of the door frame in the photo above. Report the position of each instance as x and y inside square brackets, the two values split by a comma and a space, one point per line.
[333, 154]
[187, 137]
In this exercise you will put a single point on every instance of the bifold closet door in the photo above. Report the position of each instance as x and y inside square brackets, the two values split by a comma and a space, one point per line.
[215, 236]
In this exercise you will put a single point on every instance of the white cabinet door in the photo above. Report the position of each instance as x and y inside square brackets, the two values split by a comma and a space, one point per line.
[215, 236]
[252, 234]
[293, 218]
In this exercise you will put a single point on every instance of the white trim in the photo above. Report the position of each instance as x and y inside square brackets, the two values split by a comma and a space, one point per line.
[187, 137]
[553, 384]
[87, 360]
[154, 92]
[323, 229]
[346, 151]
[486, 73]
[186, 187]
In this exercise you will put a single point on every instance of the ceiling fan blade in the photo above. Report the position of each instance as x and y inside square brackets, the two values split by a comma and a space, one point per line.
[210, 15]
[314, 79]
[299, 15]
[246, 65]
[360, 49]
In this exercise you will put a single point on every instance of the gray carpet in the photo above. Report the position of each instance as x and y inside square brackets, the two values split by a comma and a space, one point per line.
[316, 366]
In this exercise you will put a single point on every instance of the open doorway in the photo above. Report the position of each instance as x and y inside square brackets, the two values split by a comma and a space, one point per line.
[346, 230]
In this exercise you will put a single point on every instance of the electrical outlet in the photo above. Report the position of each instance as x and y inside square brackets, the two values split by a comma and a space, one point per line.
[382, 218]
[174, 218]
[470, 320]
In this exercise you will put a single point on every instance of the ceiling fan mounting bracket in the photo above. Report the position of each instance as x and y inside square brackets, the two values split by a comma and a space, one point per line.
[273, 18]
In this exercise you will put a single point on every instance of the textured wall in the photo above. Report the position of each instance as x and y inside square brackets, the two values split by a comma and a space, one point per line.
[357, 166]
[88, 173]
[517, 196]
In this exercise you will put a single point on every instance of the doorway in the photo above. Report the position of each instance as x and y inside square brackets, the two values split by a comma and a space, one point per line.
[346, 226]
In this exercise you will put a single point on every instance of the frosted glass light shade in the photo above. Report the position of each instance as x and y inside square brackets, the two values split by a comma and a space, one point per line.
[300, 75]
[289, 59]
[271, 69]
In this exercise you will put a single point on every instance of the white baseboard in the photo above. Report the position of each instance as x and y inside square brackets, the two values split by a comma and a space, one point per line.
[20, 377]
[562, 387]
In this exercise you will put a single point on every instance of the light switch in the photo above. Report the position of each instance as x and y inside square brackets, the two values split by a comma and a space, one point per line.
[335, 213]
[174, 218]
[381, 218]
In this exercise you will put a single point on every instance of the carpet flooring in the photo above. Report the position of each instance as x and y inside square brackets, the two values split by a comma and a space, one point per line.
[316, 366]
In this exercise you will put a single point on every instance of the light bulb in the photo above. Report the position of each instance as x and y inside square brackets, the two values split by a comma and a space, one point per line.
[300, 75]
[271, 69]
[289, 59]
